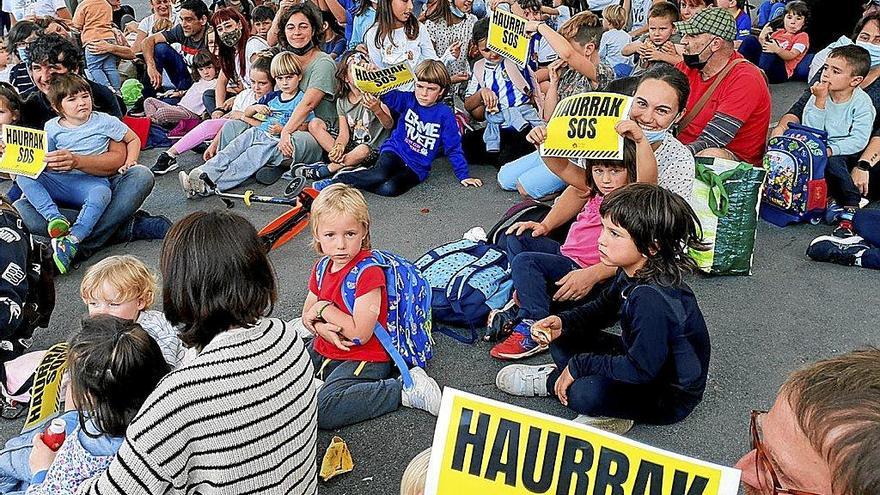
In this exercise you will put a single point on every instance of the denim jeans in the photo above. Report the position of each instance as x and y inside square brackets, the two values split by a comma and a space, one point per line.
[169, 61]
[866, 223]
[774, 67]
[536, 264]
[89, 193]
[102, 69]
[840, 184]
[388, 177]
[241, 159]
[354, 391]
[209, 99]
[532, 175]
[129, 192]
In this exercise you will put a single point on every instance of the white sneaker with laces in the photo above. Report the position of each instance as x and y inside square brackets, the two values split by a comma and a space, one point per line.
[425, 394]
[186, 185]
[524, 380]
[611, 425]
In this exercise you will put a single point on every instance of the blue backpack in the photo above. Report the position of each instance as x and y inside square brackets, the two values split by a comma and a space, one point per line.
[795, 163]
[408, 336]
[468, 280]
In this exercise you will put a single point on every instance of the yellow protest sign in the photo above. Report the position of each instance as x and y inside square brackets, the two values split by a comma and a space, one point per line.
[507, 36]
[582, 126]
[46, 396]
[483, 446]
[379, 82]
[25, 150]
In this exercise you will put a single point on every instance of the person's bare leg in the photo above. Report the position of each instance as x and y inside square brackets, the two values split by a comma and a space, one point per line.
[318, 130]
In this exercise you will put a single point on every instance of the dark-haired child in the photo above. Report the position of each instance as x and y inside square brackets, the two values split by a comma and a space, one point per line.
[190, 106]
[843, 110]
[740, 16]
[83, 132]
[332, 39]
[113, 366]
[261, 20]
[784, 48]
[655, 371]
[657, 44]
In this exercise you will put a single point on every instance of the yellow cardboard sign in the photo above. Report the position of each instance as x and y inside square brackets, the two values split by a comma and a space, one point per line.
[25, 151]
[582, 126]
[381, 81]
[483, 446]
[46, 396]
[507, 36]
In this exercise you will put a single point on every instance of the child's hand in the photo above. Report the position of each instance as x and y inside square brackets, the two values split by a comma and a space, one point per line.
[646, 51]
[532, 27]
[538, 229]
[125, 167]
[284, 145]
[561, 388]
[472, 181]
[459, 78]
[330, 333]
[771, 46]
[260, 109]
[490, 100]
[546, 330]
[555, 70]
[537, 136]
[41, 455]
[335, 153]
[275, 129]
[454, 50]
[820, 90]
[211, 152]
[628, 128]
[371, 102]
[574, 285]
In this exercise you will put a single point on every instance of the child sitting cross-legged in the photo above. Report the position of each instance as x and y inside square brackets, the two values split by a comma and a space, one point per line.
[84, 132]
[655, 371]
[779, 52]
[425, 127]
[190, 106]
[355, 369]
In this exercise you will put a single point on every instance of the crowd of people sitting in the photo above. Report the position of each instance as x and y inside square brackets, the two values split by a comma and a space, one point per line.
[266, 91]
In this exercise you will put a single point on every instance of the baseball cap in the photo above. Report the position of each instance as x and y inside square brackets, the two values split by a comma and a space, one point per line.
[714, 20]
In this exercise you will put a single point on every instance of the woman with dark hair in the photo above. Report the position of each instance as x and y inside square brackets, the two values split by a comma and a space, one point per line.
[236, 49]
[241, 417]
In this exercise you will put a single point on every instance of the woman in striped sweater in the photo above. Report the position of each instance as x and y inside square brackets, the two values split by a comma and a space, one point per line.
[241, 417]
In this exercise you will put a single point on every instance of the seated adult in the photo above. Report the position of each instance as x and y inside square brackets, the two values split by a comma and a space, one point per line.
[236, 50]
[189, 36]
[37, 8]
[732, 121]
[821, 434]
[53, 55]
[159, 20]
[865, 174]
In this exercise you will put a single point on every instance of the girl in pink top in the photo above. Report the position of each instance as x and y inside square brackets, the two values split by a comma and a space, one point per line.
[190, 106]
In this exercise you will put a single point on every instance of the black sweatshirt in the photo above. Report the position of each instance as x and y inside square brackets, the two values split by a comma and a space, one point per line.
[664, 336]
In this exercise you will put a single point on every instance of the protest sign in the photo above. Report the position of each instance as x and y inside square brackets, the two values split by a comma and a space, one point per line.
[381, 81]
[46, 396]
[24, 153]
[485, 446]
[582, 126]
[507, 36]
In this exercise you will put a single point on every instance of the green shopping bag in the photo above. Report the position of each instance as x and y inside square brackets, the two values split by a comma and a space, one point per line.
[726, 198]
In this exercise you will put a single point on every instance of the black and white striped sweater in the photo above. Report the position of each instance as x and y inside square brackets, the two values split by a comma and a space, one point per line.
[239, 419]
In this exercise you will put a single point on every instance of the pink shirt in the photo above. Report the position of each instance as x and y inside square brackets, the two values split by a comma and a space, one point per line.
[192, 99]
[582, 243]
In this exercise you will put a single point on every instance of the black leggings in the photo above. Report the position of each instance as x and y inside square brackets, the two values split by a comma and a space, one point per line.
[389, 177]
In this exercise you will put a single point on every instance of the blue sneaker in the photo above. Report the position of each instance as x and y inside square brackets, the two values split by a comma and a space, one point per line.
[519, 344]
[63, 251]
[321, 184]
[832, 249]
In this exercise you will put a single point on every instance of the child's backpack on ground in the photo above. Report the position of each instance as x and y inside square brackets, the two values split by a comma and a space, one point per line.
[795, 163]
[408, 336]
[468, 279]
[527, 210]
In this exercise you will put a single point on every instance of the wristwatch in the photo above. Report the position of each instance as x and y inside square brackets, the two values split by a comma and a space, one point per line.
[864, 165]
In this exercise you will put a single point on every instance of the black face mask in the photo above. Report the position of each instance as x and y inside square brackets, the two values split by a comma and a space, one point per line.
[302, 51]
[693, 61]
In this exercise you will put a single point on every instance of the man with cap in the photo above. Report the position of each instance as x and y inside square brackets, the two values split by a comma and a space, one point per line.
[732, 121]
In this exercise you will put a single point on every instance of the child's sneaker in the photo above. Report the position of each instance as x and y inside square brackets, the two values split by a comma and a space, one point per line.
[63, 251]
[519, 344]
[832, 249]
[611, 425]
[315, 171]
[501, 321]
[833, 212]
[319, 185]
[164, 163]
[425, 394]
[58, 227]
[192, 184]
[524, 380]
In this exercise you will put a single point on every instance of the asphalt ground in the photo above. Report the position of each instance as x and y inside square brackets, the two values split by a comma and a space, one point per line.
[790, 312]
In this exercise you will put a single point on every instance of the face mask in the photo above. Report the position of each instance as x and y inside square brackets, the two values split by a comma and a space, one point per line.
[655, 136]
[456, 11]
[302, 51]
[230, 38]
[23, 55]
[873, 50]
[693, 61]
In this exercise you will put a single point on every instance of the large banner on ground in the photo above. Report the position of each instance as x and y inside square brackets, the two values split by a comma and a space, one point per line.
[583, 126]
[381, 81]
[24, 152]
[507, 36]
[482, 446]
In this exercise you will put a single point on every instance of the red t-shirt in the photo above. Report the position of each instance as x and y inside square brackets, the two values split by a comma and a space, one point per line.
[743, 95]
[798, 41]
[331, 285]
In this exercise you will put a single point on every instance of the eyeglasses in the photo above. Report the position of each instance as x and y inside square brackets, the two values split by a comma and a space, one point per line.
[763, 467]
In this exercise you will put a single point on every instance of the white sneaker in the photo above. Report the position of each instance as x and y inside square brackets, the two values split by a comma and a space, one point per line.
[475, 234]
[186, 185]
[197, 185]
[611, 425]
[425, 394]
[524, 380]
[297, 325]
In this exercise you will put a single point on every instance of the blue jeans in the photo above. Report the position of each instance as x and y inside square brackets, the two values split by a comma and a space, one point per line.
[80, 190]
[866, 223]
[536, 264]
[774, 67]
[168, 60]
[532, 175]
[354, 391]
[102, 69]
[388, 177]
[129, 192]
[840, 184]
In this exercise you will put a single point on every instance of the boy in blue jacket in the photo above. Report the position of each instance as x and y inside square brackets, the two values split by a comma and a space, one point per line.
[424, 128]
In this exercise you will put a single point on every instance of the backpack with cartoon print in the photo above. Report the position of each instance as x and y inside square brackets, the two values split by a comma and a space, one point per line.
[795, 190]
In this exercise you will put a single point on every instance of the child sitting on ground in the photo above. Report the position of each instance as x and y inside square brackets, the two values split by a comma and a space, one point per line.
[122, 286]
[657, 45]
[258, 146]
[423, 129]
[363, 125]
[261, 20]
[740, 16]
[505, 95]
[354, 368]
[784, 48]
[655, 371]
[843, 110]
[113, 366]
[614, 39]
[190, 106]
[82, 132]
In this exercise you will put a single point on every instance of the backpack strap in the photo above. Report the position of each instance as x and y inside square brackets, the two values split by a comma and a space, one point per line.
[709, 92]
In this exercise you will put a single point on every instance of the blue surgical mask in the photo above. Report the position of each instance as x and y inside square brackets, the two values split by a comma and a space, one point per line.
[873, 50]
[456, 11]
[655, 136]
[23, 55]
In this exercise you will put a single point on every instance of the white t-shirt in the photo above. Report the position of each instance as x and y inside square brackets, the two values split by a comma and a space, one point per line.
[638, 16]
[675, 167]
[599, 5]
[611, 47]
[42, 8]
[243, 100]
[254, 45]
[147, 23]
[400, 48]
